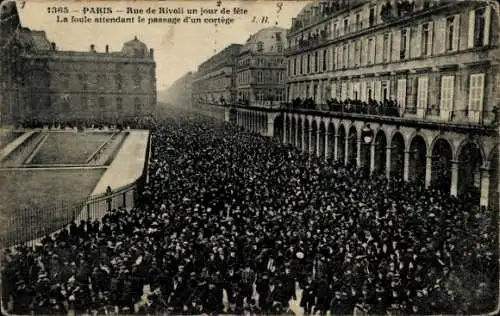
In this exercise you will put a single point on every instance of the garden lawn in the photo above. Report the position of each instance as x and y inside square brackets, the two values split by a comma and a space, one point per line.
[32, 200]
[69, 148]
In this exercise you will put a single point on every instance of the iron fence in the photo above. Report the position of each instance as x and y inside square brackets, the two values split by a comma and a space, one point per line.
[28, 225]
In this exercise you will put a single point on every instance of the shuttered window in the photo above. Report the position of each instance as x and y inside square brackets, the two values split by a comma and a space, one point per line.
[401, 93]
[447, 90]
[476, 92]
[422, 92]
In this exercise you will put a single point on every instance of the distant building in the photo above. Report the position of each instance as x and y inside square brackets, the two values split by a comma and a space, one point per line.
[179, 94]
[41, 82]
[215, 80]
[261, 68]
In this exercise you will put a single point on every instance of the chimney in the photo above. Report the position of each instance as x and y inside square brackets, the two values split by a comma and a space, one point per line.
[92, 47]
[107, 48]
[151, 52]
[54, 46]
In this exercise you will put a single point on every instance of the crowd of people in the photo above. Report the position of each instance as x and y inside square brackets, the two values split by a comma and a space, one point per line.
[386, 107]
[145, 122]
[232, 222]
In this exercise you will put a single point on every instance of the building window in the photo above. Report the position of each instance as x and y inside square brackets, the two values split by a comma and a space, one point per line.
[450, 33]
[339, 58]
[386, 48]
[64, 81]
[278, 36]
[401, 93]
[295, 66]
[404, 43]
[370, 51]
[84, 103]
[66, 101]
[425, 39]
[119, 104]
[334, 56]
[346, 26]
[260, 96]
[289, 67]
[260, 46]
[279, 95]
[279, 47]
[357, 55]
[476, 92]
[422, 92]
[479, 27]
[137, 105]
[385, 90]
[119, 82]
[325, 59]
[316, 61]
[335, 30]
[101, 102]
[84, 82]
[308, 63]
[345, 57]
[137, 82]
[301, 64]
[260, 77]
[371, 19]
[447, 83]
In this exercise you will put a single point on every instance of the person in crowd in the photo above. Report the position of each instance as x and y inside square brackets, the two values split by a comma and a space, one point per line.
[232, 223]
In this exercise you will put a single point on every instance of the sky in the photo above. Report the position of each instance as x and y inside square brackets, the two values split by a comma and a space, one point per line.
[179, 48]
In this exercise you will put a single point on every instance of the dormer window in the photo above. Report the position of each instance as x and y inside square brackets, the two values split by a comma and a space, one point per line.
[260, 46]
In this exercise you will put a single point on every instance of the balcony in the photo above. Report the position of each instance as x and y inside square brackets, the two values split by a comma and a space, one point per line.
[316, 39]
[391, 112]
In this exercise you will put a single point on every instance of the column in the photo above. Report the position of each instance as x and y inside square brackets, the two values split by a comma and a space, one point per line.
[336, 147]
[320, 93]
[270, 126]
[290, 130]
[226, 114]
[303, 135]
[372, 157]
[346, 149]
[485, 186]
[296, 139]
[358, 153]
[318, 150]
[327, 149]
[309, 133]
[284, 129]
[406, 166]
[388, 162]
[454, 177]
[428, 171]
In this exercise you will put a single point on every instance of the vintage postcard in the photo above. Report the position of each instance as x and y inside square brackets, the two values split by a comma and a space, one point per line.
[249, 157]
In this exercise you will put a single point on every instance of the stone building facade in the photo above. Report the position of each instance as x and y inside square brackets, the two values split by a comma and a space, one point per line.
[215, 79]
[261, 70]
[49, 84]
[434, 58]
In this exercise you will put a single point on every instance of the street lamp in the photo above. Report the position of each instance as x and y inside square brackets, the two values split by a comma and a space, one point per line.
[367, 134]
[367, 137]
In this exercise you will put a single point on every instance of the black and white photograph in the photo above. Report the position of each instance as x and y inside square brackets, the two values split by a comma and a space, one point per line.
[249, 157]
